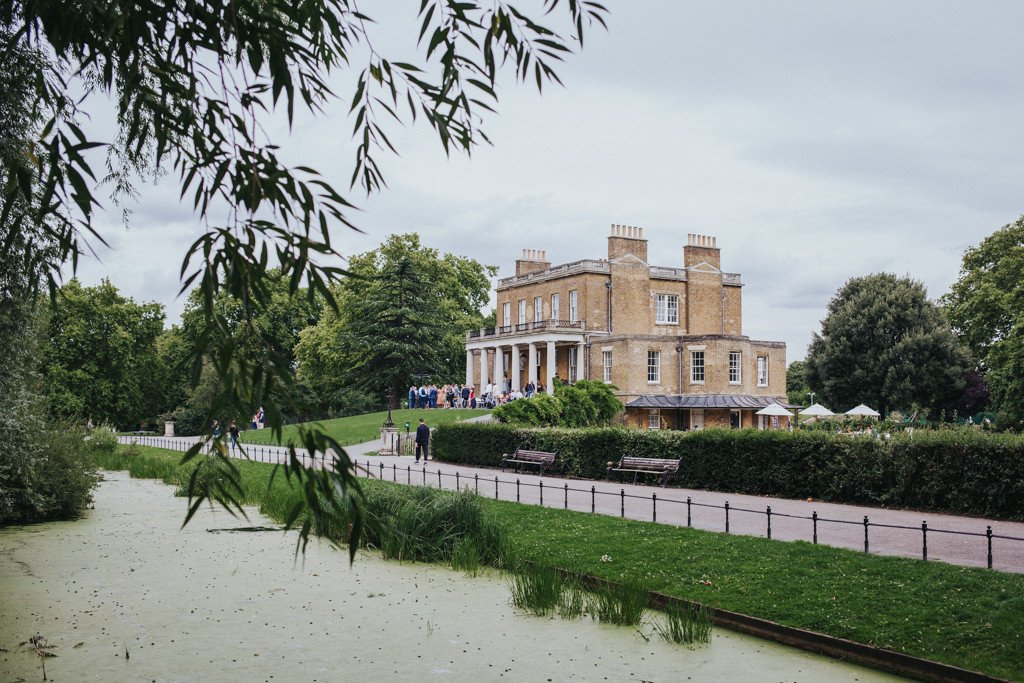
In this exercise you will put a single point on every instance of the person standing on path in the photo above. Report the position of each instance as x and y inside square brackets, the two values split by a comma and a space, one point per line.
[422, 440]
[233, 433]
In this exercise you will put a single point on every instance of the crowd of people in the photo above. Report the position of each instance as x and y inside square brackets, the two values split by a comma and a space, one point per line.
[492, 394]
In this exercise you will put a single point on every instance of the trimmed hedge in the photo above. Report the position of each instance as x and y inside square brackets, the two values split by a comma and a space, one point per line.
[956, 471]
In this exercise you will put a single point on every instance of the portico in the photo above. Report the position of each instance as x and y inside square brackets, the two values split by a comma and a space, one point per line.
[534, 355]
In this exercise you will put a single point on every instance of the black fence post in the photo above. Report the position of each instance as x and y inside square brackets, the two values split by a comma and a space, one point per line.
[542, 492]
[476, 483]
[924, 541]
[495, 487]
[424, 475]
[408, 474]
[566, 496]
[769, 521]
[593, 499]
[517, 489]
[865, 533]
[688, 511]
[654, 507]
[814, 518]
[438, 476]
[726, 516]
[381, 467]
[394, 472]
[988, 534]
[622, 498]
[457, 485]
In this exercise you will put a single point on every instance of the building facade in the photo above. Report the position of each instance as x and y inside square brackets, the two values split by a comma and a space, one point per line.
[669, 338]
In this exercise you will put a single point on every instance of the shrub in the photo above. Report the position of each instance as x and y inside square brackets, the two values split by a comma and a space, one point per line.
[45, 471]
[957, 470]
[584, 404]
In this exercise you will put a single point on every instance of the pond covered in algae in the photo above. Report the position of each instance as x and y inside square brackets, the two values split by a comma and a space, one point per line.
[126, 595]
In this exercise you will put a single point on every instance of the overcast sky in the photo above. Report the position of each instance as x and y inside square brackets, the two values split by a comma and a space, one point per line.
[818, 141]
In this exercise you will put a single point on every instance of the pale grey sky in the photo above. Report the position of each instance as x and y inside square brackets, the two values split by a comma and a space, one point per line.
[817, 140]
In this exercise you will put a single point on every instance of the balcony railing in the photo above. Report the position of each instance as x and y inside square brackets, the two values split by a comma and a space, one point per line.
[523, 328]
[663, 273]
[582, 266]
[732, 279]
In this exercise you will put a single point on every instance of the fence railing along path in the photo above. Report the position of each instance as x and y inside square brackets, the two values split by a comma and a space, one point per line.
[929, 536]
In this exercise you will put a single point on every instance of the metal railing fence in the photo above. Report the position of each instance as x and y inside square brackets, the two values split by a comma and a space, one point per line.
[587, 501]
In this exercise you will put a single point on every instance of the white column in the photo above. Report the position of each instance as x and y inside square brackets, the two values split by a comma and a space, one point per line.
[483, 369]
[469, 368]
[551, 367]
[531, 369]
[514, 370]
[581, 362]
[499, 367]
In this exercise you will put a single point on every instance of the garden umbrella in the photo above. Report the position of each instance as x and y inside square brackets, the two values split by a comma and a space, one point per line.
[774, 410]
[817, 410]
[863, 411]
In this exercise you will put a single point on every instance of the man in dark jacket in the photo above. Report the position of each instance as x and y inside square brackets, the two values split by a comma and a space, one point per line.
[422, 440]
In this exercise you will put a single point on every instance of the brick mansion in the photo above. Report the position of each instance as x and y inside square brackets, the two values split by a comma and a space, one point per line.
[669, 338]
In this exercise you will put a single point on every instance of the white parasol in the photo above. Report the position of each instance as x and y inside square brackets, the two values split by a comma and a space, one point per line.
[863, 411]
[774, 410]
[817, 410]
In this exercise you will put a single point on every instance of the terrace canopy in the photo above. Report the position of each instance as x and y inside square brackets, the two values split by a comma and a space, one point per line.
[706, 401]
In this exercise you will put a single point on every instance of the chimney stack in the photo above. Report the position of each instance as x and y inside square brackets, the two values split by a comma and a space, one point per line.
[627, 239]
[532, 261]
[701, 249]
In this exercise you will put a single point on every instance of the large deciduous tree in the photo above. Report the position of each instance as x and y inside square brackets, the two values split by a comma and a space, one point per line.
[100, 358]
[986, 308]
[885, 344]
[403, 314]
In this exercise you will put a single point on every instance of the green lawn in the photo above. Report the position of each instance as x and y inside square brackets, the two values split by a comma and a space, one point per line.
[973, 618]
[366, 427]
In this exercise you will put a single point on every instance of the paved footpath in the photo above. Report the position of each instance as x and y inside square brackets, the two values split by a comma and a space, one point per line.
[950, 538]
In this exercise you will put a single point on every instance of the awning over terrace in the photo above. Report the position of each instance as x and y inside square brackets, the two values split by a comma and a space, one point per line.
[707, 401]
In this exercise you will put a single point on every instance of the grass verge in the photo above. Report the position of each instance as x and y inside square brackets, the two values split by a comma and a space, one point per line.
[973, 618]
[363, 428]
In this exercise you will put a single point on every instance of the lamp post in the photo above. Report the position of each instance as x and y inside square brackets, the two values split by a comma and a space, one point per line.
[388, 430]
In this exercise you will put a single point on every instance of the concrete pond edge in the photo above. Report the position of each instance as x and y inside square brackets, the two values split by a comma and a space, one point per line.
[841, 649]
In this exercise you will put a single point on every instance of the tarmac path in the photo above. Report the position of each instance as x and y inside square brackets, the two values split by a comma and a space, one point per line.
[955, 539]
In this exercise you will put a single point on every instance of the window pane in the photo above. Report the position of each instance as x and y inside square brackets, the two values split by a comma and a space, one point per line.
[696, 366]
[734, 367]
[666, 309]
[654, 366]
[607, 366]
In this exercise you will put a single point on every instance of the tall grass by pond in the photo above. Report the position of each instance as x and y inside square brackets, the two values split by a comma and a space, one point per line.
[685, 624]
[546, 591]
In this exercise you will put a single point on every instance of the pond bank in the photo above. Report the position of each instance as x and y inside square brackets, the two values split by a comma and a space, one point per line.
[190, 605]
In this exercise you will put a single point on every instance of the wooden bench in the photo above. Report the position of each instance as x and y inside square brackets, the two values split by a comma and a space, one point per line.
[661, 466]
[541, 459]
